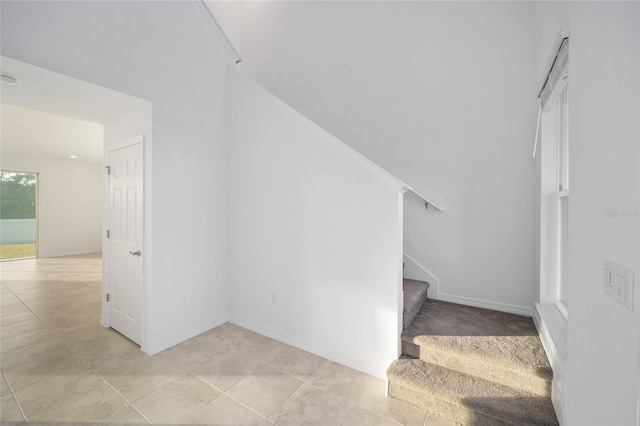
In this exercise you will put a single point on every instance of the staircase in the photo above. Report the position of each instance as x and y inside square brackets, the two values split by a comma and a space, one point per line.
[415, 294]
[469, 365]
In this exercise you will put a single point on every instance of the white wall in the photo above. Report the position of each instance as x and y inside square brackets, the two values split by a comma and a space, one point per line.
[438, 93]
[17, 231]
[601, 380]
[70, 202]
[316, 235]
[170, 54]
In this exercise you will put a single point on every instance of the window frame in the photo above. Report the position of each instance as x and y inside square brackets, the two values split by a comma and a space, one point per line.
[562, 170]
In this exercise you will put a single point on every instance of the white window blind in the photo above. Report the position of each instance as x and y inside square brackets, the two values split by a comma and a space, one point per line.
[555, 80]
[557, 77]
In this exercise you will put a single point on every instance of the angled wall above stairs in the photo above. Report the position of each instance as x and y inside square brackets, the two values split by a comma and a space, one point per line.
[439, 93]
[315, 238]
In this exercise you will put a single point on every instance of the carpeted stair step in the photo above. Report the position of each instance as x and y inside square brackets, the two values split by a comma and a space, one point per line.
[496, 346]
[415, 294]
[465, 399]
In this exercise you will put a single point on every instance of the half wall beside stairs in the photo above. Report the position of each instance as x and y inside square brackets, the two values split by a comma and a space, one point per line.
[316, 235]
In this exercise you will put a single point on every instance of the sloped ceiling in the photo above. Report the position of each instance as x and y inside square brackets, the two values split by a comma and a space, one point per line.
[50, 114]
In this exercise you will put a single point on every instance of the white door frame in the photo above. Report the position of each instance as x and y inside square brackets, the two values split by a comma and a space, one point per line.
[104, 319]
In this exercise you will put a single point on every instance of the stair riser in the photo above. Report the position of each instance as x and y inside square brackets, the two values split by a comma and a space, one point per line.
[522, 381]
[414, 297]
[440, 408]
[412, 312]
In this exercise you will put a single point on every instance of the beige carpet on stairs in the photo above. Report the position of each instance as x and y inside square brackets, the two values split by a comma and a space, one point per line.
[414, 295]
[474, 366]
[497, 346]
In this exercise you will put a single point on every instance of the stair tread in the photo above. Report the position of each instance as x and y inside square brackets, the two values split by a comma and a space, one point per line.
[482, 396]
[500, 339]
[415, 293]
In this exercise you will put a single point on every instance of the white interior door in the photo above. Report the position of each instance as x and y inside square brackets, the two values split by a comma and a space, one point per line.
[125, 240]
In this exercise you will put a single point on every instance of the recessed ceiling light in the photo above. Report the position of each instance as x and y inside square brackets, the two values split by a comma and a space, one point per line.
[9, 80]
[73, 156]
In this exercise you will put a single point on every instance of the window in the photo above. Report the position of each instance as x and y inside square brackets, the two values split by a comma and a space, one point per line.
[18, 215]
[552, 137]
[563, 197]
[555, 179]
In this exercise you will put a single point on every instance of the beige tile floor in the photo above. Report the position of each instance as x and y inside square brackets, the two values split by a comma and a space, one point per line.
[59, 366]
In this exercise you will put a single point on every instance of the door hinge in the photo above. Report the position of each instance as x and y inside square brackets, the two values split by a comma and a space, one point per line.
[108, 234]
[108, 169]
[107, 297]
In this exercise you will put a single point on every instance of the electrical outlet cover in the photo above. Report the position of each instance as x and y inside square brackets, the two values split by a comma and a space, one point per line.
[618, 283]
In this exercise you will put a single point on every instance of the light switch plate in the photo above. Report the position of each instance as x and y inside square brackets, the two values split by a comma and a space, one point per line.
[619, 283]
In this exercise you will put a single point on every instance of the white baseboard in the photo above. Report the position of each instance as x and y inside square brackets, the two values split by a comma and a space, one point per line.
[548, 324]
[276, 335]
[552, 330]
[415, 271]
[486, 304]
[154, 349]
[69, 253]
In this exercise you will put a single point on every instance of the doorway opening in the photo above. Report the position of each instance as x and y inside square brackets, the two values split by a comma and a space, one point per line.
[73, 210]
[18, 215]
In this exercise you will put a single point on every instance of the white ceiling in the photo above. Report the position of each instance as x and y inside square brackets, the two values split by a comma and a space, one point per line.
[27, 131]
[50, 114]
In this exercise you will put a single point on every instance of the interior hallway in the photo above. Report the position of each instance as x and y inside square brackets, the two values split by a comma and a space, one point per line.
[60, 366]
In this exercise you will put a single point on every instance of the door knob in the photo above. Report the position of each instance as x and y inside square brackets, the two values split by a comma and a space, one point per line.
[136, 253]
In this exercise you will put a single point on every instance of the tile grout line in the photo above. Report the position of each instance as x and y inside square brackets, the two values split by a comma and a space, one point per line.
[57, 337]
[121, 396]
[88, 364]
[43, 323]
[426, 419]
[349, 414]
[228, 396]
[24, 416]
[378, 414]
[284, 373]
[305, 381]
[295, 391]
[94, 371]
[64, 342]
[382, 415]
[36, 317]
[264, 362]
[354, 404]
